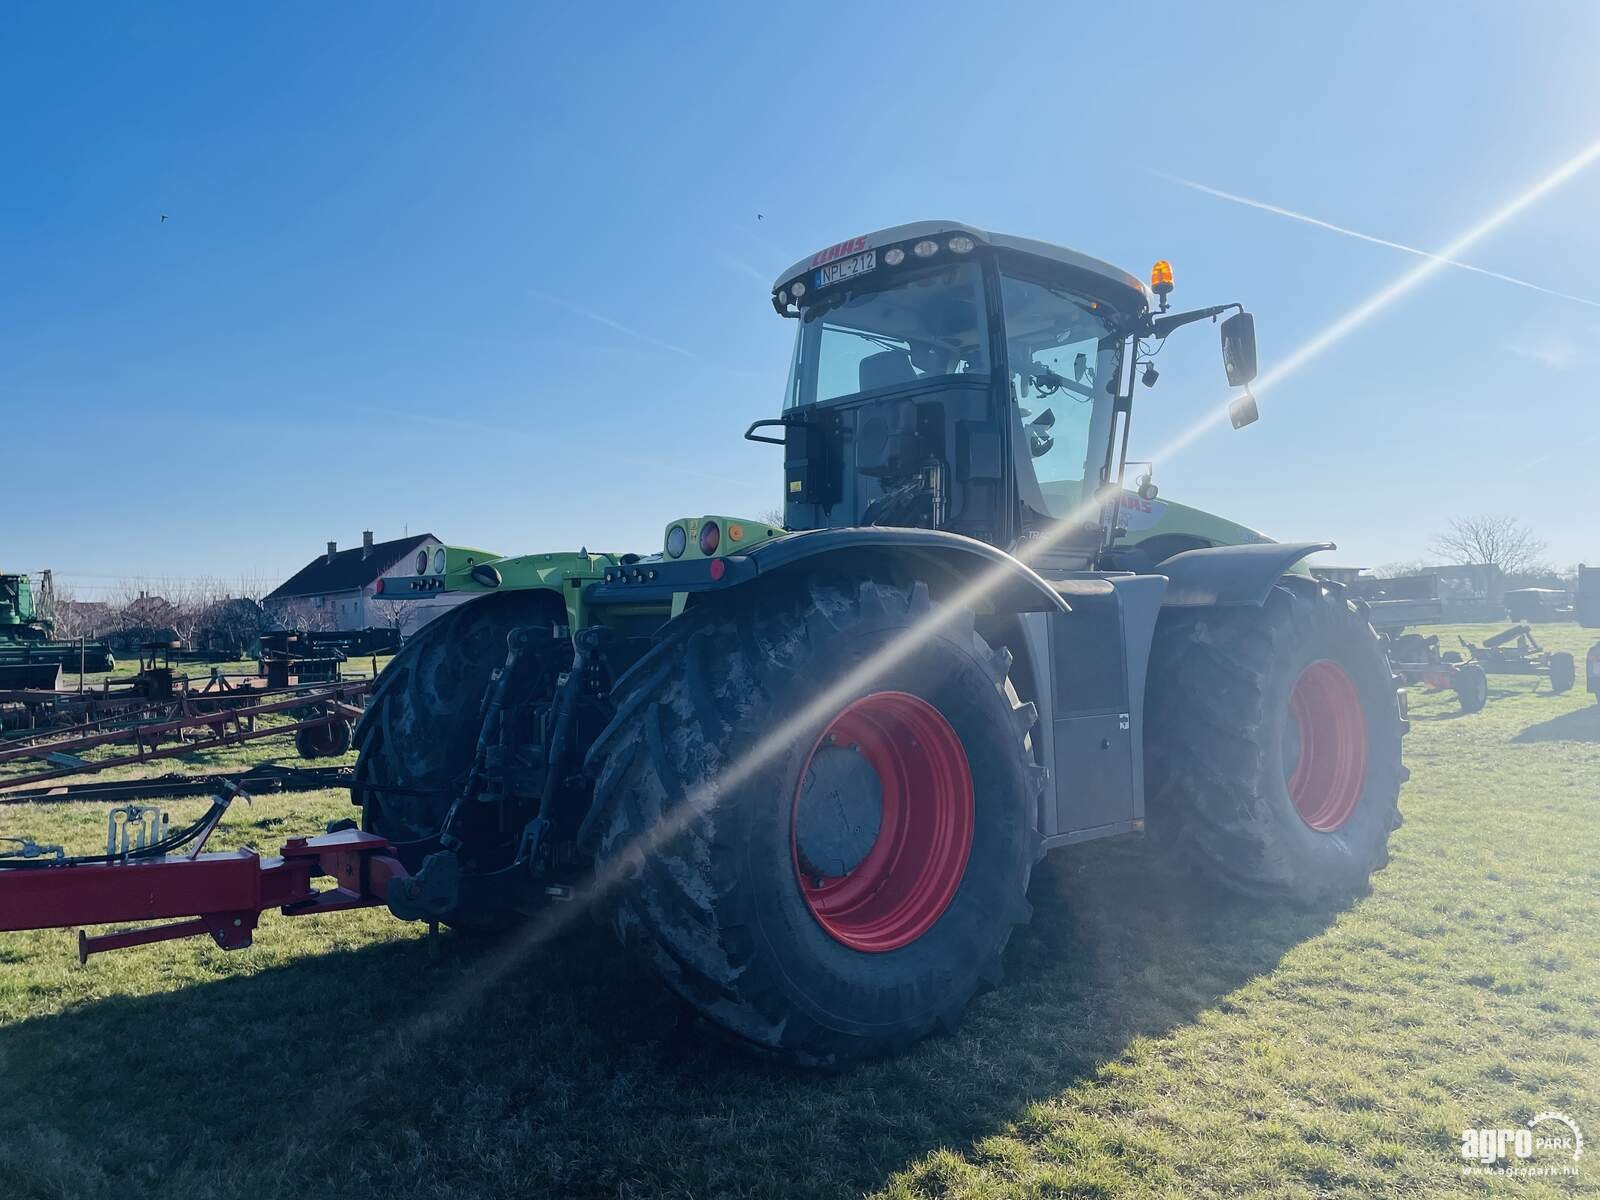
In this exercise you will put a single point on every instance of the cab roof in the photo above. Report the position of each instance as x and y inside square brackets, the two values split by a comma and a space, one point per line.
[1115, 276]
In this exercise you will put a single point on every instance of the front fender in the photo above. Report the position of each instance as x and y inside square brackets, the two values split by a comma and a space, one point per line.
[1224, 576]
[949, 560]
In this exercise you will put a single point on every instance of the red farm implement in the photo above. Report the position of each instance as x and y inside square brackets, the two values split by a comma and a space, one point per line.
[319, 717]
[150, 874]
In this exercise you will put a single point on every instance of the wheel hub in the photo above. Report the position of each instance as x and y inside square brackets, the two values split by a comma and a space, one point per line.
[838, 812]
[1325, 746]
[882, 822]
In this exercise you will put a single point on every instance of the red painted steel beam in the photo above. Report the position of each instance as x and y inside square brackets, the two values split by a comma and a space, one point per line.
[219, 894]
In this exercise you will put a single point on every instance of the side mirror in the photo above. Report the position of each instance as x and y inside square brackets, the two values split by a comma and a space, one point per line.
[1242, 410]
[1239, 348]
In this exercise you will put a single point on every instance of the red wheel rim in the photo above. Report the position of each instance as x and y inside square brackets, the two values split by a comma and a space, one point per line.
[907, 877]
[1331, 770]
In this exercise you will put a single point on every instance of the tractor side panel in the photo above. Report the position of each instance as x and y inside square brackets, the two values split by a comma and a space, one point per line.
[1097, 657]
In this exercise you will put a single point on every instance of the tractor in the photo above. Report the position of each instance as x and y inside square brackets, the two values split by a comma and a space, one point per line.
[805, 772]
[29, 653]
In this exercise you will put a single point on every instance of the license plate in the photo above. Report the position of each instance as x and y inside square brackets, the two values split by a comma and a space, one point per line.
[847, 268]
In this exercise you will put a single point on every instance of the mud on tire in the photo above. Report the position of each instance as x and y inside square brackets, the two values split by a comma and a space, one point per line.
[1224, 744]
[699, 782]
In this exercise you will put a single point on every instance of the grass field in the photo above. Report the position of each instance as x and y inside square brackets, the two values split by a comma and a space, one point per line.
[1145, 1043]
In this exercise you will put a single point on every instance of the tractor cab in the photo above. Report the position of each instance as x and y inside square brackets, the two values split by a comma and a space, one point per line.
[948, 378]
[16, 604]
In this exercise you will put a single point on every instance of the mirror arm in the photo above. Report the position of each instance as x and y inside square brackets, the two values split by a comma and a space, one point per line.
[1160, 327]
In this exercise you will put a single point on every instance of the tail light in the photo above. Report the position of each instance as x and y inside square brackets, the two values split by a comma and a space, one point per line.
[710, 538]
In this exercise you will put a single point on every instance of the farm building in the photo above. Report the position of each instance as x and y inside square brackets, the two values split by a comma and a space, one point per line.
[338, 588]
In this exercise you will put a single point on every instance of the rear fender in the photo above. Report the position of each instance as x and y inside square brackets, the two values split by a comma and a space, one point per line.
[1229, 576]
[951, 565]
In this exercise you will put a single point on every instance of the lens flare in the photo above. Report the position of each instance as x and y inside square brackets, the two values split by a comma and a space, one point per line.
[1319, 223]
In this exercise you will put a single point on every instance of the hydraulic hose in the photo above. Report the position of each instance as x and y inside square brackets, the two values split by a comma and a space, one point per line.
[173, 841]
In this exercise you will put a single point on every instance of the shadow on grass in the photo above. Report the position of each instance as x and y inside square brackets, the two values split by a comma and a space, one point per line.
[576, 1076]
[1579, 725]
[1455, 714]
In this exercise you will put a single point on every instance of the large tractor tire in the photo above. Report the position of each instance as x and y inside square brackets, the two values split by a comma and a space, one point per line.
[822, 848]
[418, 734]
[1563, 672]
[1273, 738]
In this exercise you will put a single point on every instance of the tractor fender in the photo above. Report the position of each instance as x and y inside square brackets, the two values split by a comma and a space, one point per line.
[947, 562]
[1225, 576]
[934, 555]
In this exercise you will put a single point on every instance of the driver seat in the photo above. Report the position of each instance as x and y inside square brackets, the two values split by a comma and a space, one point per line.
[886, 369]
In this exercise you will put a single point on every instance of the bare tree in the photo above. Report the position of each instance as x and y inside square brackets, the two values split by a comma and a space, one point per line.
[773, 517]
[299, 612]
[186, 603]
[1405, 566]
[59, 604]
[1497, 540]
[137, 611]
[395, 614]
[75, 618]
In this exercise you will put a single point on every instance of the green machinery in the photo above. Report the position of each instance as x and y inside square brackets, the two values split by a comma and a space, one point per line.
[805, 772]
[30, 657]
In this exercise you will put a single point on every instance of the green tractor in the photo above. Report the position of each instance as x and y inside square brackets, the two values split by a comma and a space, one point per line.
[806, 772]
[30, 657]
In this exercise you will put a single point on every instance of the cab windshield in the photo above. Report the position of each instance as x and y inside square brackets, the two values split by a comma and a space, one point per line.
[929, 324]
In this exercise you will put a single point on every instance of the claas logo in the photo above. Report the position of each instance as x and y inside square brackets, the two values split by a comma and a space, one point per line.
[853, 246]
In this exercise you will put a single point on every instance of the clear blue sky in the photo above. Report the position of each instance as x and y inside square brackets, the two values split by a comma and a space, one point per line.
[496, 271]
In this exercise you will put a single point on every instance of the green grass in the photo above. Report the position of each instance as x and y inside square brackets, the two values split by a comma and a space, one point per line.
[1145, 1043]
